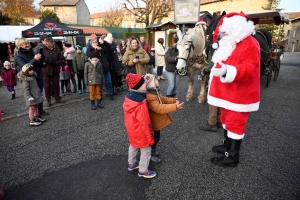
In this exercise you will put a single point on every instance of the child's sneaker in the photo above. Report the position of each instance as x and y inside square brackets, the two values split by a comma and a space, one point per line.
[39, 119]
[34, 123]
[133, 166]
[147, 174]
[79, 92]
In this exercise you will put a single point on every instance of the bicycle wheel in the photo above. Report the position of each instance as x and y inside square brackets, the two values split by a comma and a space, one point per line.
[276, 70]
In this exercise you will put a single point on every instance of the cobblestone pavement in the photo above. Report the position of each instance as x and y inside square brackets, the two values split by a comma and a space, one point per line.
[81, 153]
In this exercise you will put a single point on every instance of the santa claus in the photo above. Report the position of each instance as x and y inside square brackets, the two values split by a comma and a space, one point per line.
[235, 82]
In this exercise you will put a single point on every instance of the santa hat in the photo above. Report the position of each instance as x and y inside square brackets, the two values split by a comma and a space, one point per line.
[135, 81]
[150, 81]
[201, 21]
[217, 31]
[6, 63]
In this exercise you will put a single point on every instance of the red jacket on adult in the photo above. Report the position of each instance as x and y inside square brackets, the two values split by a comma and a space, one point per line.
[146, 47]
[9, 77]
[137, 119]
[53, 59]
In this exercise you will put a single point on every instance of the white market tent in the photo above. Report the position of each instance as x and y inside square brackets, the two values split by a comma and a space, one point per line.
[10, 33]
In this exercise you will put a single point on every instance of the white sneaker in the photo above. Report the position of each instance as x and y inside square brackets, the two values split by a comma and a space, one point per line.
[39, 119]
[34, 123]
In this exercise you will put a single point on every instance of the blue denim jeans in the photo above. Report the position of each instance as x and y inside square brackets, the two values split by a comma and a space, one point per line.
[159, 70]
[108, 83]
[173, 79]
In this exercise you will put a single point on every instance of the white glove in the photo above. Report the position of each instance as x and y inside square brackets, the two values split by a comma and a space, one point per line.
[31, 99]
[219, 69]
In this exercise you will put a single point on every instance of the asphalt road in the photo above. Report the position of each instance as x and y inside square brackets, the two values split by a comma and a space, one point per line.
[81, 153]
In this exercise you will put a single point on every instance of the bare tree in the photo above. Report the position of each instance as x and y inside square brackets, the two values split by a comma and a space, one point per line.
[113, 16]
[149, 11]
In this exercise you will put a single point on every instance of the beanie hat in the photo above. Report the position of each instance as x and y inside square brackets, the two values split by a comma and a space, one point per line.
[78, 47]
[6, 63]
[93, 55]
[109, 38]
[135, 81]
[217, 31]
[93, 36]
[27, 67]
[201, 21]
[150, 81]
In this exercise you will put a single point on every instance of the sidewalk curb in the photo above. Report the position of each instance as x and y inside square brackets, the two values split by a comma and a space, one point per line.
[45, 108]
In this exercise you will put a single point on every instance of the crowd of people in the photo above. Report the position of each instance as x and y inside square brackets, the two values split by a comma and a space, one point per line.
[146, 110]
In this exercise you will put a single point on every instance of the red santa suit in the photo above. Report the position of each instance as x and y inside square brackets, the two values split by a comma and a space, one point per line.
[235, 78]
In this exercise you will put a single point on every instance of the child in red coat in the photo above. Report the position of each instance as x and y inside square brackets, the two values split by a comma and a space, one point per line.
[8, 76]
[138, 126]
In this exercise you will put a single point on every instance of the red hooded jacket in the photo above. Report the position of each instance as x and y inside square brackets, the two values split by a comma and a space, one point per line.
[137, 120]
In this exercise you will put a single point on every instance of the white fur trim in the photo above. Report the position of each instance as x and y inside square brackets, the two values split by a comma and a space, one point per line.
[230, 74]
[215, 45]
[232, 106]
[235, 136]
[235, 29]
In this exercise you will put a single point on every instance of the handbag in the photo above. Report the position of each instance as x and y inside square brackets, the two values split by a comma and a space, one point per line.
[125, 69]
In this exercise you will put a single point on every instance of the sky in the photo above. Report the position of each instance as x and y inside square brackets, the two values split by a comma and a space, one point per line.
[102, 5]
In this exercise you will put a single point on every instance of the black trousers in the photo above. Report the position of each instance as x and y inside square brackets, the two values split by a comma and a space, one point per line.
[156, 137]
[80, 79]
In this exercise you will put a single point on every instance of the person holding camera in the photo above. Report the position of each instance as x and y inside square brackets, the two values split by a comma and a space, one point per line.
[135, 57]
[53, 59]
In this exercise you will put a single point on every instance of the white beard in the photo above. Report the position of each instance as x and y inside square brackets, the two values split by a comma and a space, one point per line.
[237, 29]
[227, 45]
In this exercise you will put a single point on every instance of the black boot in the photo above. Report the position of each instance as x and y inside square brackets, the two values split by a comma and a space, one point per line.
[13, 95]
[222, 148]
[93, 105]
[231, 157]
[99, 103]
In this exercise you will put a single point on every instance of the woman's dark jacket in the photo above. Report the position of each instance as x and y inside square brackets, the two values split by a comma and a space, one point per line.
[112, 57]
[26, 56]
[102, 55]
[170, 56]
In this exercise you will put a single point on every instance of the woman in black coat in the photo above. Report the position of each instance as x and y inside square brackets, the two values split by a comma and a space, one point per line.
[25, 55]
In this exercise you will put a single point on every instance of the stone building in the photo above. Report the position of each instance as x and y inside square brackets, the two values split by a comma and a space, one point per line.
[68, 11]
[294, 36]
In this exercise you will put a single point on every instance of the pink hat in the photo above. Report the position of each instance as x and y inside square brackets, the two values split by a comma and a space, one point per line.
[6, 63]
[93, 36]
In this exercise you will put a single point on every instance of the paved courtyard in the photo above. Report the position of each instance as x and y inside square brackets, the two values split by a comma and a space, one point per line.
[81, 153]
